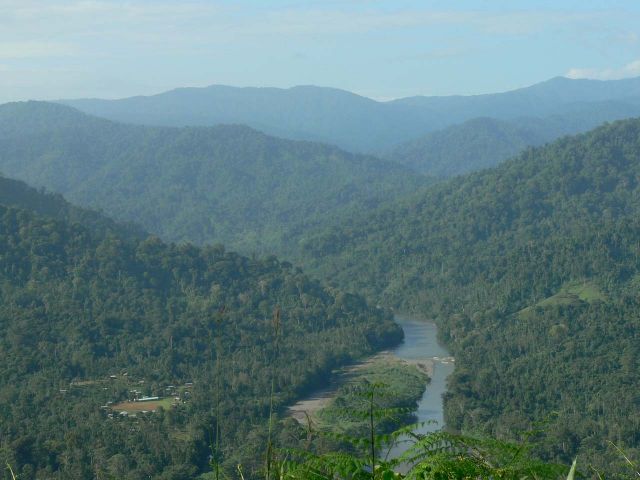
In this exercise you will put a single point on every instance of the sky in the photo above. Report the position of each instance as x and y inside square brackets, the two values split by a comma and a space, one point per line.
[56, 49]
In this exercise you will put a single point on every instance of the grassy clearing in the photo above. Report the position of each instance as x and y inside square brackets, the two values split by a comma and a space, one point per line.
[573, 293]
[86, 383]
[150, 406]
[586, 291]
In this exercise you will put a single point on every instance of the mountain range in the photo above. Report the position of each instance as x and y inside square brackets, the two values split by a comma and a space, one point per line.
[351, 121]
[227, 183]
[530, 268]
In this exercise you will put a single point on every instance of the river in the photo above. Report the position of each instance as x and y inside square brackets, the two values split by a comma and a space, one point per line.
[420, 345]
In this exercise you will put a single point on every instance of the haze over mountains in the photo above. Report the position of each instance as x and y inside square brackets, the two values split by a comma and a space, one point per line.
[17, 194]
[354, 122]
[486, 142]
[227, 183]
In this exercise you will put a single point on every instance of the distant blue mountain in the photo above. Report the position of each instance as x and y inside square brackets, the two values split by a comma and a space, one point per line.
[348, 120]
[485, 142]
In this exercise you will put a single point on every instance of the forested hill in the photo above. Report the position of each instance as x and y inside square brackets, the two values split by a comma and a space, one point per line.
[90, 319]
[470, 146]
[486, 142]
[14, 193]
[531, 269]
[227, 184]
[348, 120]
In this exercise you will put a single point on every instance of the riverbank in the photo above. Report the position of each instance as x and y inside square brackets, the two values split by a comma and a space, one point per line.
[310, 407]
[420, 348]
[394, 386]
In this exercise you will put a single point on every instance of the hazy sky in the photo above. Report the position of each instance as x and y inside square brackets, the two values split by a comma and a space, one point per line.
[382, 49]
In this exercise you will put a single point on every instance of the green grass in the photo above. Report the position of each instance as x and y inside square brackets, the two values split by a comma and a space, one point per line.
[573, 293]
[586, 291]
[134, 407]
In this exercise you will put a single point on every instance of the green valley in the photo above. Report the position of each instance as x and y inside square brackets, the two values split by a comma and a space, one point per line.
[552, 233]
[228, 184]
[361, 240]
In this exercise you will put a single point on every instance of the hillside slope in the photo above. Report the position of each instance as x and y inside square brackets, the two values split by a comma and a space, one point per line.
[531, 269]
[486, 142]
[17, 194]
[351, 121]
[226, 184]
[91, 321]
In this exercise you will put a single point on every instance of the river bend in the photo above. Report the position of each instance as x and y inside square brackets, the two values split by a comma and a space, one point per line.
[420, 346]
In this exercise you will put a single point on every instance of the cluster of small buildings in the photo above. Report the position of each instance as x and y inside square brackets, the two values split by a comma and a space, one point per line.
[178, 395]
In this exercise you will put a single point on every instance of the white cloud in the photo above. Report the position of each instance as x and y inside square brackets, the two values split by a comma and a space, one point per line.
[131, 10]
[30, 49]
[212, 19]
[328, 21]
[207, 38]
[631, 69]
